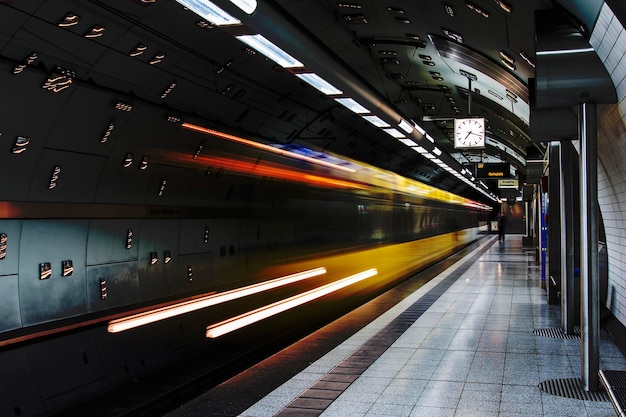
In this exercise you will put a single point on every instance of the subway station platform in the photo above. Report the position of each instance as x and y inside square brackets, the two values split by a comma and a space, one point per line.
[478, 339]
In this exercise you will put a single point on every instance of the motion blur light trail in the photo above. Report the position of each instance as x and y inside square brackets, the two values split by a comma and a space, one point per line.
[259, 314]
[163, 313]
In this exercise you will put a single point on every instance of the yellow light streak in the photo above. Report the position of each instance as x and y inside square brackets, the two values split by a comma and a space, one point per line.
[162, 313]
[269, 310]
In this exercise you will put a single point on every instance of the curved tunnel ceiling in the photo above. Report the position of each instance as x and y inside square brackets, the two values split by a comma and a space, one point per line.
[181, 67]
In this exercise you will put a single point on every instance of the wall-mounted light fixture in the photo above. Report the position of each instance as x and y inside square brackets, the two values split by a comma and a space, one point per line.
[157, 58]
[54, 177]
[129, 238]
[19, 68]
[167, 257]
[3, 245]
[95, 32]
[154, 258]
[138, 50]
[107, 132]
[128, 159]
[20, 145]
[144, 162]
[45, 270]
[69, 20]
[162, 187]
[189, 273]
[59, 80]
[67, 268]
[103, 289]
[168, 90]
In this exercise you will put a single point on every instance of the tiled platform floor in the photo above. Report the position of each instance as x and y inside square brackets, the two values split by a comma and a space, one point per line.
[471, 353]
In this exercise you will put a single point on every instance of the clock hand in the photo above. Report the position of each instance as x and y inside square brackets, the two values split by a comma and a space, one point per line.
[467, 136]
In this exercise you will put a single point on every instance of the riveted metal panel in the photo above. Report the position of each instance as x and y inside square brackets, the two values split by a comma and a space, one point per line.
[109, 240]
[19, 391]
[56, 297]
[121, 282]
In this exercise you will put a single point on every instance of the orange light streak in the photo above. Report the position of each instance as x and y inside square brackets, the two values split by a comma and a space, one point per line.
[162, 313]
[269, 310]
[262, 146]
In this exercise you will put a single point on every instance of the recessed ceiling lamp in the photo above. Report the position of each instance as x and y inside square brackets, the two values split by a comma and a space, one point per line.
[508, 64]
[349, 5]
[355, 19]
[70, 19]
[449, 9]
[271, 51]
[455, 36]
[526, 58]
[95, 32]
[507, 57]
[504, 6]
[477, 9]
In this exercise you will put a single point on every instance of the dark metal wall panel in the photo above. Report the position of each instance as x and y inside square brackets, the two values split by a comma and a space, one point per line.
[56, 297]
[196, 236]
[74, 357]
[31, 112]
[13, 230]
[77, 176]
[84, 134]
[121, 282]
[108, 239]
[9, 303]
[160, 279]
[19, 391]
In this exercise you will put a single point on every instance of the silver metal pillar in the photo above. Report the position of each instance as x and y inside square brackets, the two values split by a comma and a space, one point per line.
[589, 267]
[568, 287]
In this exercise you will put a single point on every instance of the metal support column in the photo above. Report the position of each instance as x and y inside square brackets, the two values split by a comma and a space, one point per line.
[568, 287]
[589, 267]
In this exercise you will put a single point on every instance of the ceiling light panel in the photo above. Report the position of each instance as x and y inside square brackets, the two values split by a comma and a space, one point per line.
[376, 121]
[210, 12]
[248, 6]
[319, 83]
[273, 52]
[352, 105]
[394, 132]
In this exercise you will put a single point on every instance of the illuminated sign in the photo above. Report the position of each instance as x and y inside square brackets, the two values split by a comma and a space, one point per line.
[508, 184]
[491, 170]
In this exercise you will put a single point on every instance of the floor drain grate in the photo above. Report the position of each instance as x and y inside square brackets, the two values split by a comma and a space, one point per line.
[570, 388]
[557, 333]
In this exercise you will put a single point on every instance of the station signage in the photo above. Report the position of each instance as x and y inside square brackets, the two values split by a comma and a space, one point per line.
[493, 170]
[508, 183]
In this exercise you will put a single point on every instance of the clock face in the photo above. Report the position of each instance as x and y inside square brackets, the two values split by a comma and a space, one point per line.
[469, 133]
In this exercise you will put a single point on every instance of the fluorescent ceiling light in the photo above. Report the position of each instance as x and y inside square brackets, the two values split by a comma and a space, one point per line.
[394, 132]
[273, 52]
[318, 82]
[352, 105]
[419, 129]
[376, 121]
[210, 12]
[188, 306]
[565, 51]
[269, 310]
[420, 149]
[406, 126]
[437, 151]
[248, 6]
[408, 142]
[430, 138]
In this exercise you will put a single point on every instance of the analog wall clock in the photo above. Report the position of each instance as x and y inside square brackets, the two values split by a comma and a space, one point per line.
[469, 133]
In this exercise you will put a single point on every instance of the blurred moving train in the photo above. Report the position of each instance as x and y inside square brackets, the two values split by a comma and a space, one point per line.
[97, 294]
